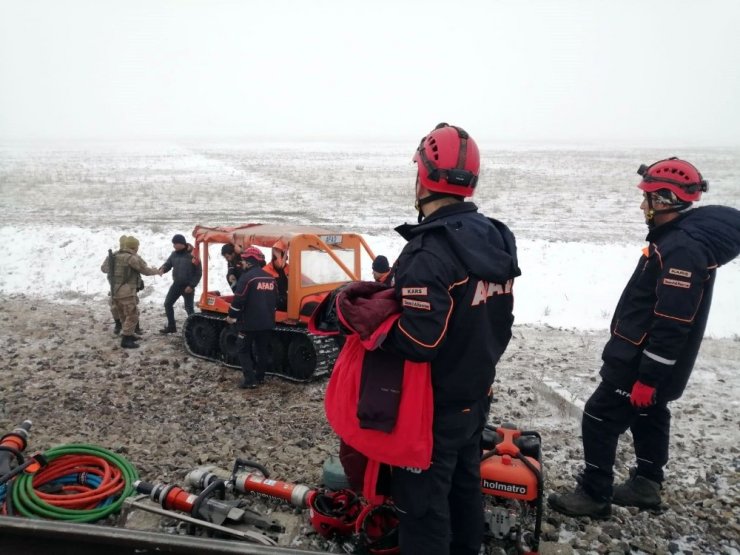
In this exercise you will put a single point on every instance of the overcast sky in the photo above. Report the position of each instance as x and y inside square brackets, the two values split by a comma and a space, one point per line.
[623, 71]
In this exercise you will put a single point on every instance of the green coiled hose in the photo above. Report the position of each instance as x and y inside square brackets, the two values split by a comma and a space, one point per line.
[27, 502]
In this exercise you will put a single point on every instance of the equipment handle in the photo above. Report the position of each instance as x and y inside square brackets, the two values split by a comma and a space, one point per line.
[145, 488]
[241, 464]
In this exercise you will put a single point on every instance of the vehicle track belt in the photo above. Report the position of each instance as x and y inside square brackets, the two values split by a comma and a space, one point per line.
[325, 347]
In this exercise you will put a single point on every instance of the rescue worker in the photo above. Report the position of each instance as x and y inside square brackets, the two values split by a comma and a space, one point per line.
[186, 274]
[278, 268]
[381, 269]
[454, 281]
[233, 264]
[125, 269]
[656, 331]
[253, 310]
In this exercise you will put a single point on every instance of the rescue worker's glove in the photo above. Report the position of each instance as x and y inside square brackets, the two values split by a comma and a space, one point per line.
[642, 395]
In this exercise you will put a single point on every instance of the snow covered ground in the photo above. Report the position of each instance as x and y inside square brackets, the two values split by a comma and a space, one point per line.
[575, 213]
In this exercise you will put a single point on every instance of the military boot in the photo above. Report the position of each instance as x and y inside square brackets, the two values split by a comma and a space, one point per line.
[579, 503]
[128, 342]
[248, 382]
[637, 491]
[117, 328]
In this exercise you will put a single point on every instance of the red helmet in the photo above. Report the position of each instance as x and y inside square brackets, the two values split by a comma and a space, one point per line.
[377, 527]
[448, 161]
[254, 253]
[333, 513]
[280, 245]
[675, 175]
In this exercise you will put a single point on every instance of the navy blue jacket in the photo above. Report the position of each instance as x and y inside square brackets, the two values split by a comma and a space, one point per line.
[454, 281]
[659, 322]
[255, 296]
[186, 270]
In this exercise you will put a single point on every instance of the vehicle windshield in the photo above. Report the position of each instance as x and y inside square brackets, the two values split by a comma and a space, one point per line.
[318, 267]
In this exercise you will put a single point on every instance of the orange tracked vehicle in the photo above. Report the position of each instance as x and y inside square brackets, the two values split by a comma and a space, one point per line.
[319, 259]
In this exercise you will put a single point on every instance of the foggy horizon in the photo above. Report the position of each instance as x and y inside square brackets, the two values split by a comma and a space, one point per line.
[567, 72]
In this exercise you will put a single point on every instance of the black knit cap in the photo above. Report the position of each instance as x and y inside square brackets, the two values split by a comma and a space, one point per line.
[380, 264]
[179, 239]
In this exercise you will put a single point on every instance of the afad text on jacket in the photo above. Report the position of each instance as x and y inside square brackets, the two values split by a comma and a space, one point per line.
[454, 280]
[255, 296]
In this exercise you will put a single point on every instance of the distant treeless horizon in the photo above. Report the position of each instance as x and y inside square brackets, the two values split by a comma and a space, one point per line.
[643, 73]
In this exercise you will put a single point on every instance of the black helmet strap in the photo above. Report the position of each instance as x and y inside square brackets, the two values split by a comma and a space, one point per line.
[652, 212]
[432, 197]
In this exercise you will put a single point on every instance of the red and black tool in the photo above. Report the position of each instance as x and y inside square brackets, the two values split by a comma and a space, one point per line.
[12, 446]
[251, 477]
[209, 505]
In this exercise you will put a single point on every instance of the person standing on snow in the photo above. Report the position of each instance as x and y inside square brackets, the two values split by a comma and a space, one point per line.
[454, 281]
[124, 269]
[253, 310]
[656, 332]
[186, 273]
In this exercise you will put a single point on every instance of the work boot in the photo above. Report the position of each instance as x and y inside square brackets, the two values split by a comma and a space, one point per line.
[579, 503]
[128, 342]
[118, 327]
[168, 329]
[637, 491]
[247, 384]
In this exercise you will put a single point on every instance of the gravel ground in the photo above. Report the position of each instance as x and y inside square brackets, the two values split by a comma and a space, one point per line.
[168, 412]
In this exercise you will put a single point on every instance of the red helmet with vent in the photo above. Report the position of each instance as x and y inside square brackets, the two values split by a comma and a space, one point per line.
[678, 176]
[253, 253]
[448, 161]
[333, 513]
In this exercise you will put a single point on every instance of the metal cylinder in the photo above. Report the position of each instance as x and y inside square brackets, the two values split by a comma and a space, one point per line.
[168, 496]
[251, 482]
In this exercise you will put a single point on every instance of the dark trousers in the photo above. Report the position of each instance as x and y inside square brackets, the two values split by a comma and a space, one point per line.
[254, 345]
[441, 508]
[607, 415]
[176, 291]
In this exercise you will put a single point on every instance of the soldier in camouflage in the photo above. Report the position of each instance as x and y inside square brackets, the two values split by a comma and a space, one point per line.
[124, 270]
[104, 269]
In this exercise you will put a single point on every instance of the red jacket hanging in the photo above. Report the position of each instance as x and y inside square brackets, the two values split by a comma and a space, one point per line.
[377, 402]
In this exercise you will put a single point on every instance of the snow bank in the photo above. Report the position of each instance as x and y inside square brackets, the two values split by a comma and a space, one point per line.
[571, 285]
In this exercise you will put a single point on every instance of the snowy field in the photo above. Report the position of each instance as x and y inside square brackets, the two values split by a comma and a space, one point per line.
[579, 229]
[575, 213]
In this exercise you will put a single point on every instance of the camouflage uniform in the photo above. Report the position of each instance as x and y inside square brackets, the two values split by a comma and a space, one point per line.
[113, 309]
[126, 282]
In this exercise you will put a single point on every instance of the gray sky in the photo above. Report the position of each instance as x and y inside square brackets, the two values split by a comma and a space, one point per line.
[620, 71]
